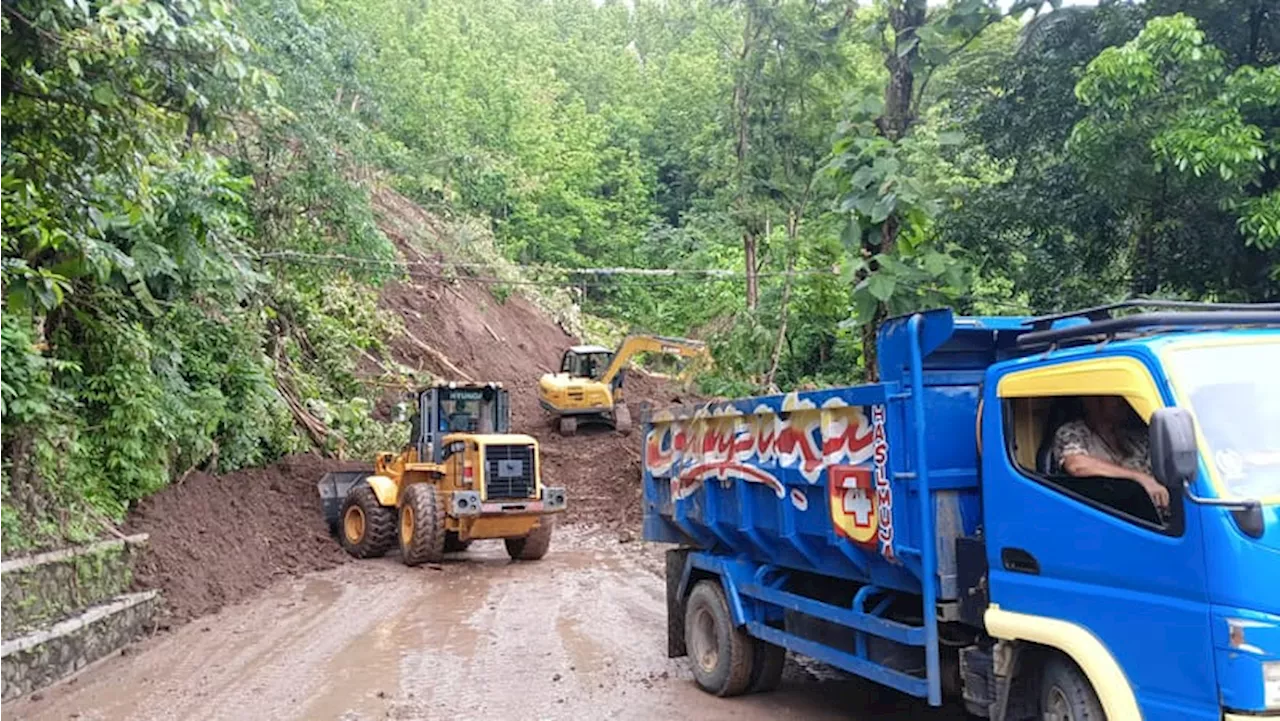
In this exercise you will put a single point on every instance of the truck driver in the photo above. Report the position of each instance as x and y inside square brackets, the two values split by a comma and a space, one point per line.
[1109, 442]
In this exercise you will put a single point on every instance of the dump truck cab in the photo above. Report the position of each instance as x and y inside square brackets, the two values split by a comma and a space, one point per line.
[923, 532]
[1174, 614]
[462, 476]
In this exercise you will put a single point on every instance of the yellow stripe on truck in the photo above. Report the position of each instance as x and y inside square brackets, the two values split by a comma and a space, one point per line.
[1081, 646]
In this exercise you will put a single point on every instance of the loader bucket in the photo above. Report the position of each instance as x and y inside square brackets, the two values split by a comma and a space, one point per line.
[333, 491]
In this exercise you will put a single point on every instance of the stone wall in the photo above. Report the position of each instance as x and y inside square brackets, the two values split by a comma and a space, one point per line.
[49, 587]
[39, 659]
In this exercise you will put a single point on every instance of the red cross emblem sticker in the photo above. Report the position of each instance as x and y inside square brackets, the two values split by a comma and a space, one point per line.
[853, 503]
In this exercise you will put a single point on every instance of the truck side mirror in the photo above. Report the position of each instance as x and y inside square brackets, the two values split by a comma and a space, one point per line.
[1173, 448]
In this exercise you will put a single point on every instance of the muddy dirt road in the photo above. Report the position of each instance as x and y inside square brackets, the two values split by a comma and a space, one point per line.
[580, 635]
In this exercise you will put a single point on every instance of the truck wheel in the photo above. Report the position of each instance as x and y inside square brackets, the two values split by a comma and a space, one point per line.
[533, 546]
[622, 419]
[453, 544]
[422, 531]
[568, 425]
[766, 666]
[367, 529]
[721, 653]
[1066, 695]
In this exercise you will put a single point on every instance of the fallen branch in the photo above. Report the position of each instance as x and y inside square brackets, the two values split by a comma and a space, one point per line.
[453, 290]
[408, 245]
[312, 425]
[440, 358]
[317, 430]
[495, 335]
[107, 524]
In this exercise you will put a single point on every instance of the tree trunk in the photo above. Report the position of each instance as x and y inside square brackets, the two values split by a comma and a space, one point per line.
[793, 227]
[1147, 280]
[742, 149]
[906, 17]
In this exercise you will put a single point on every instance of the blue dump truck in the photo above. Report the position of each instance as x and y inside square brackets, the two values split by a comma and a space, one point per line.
[927, 533]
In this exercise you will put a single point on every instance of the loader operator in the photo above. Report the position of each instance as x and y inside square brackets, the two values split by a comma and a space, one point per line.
[1109, 442]
[461, 420]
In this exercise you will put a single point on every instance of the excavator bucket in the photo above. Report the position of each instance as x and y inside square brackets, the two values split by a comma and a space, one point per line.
[333, 491]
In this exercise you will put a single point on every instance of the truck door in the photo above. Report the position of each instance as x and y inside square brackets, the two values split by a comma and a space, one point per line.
[1094, 552]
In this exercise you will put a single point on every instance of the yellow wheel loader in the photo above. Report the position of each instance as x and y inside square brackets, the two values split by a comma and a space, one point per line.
[463, 476]
[589, 386]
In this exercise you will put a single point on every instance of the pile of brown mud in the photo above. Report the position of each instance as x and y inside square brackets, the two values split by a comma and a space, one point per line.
[218, 539]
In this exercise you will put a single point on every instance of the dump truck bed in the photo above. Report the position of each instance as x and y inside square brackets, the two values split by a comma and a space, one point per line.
[829, 481]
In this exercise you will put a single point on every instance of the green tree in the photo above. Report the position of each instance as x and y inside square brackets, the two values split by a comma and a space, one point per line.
[1166, 117]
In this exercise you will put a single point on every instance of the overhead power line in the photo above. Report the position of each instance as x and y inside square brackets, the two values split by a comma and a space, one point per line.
[653, 276]
[611, 271]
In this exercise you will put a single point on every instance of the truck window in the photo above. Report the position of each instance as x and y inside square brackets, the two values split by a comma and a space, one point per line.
[1093, 448]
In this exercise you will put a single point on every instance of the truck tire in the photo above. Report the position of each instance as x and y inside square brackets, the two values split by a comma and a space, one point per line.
[422, 531]
[568, 425]
[622, 419]
[453, 544]
[1066, 694]
[721, 654]
[766, 666]
[366, 528]
[535, 545]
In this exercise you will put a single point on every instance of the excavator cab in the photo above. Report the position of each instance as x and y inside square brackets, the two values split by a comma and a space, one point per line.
[586, 361]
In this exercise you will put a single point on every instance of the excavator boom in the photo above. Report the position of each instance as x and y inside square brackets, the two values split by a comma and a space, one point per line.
[633, 344]
[579, 392]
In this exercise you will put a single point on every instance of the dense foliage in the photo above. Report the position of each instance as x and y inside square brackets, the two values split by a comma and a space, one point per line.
[845, 160]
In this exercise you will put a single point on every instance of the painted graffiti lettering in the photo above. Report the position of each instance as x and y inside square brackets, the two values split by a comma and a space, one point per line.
[806, 438]
[884, 492]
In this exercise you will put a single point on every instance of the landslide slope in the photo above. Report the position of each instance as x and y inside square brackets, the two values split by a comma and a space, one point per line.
[217, 539]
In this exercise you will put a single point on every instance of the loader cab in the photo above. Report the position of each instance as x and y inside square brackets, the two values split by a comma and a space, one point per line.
[586, 361]
[454, 408]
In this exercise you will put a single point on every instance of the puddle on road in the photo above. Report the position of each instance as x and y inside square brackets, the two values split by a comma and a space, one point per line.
[588, 655]
[366, 676]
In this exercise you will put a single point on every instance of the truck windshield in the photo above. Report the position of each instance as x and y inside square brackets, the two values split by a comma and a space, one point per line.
[1234, 391]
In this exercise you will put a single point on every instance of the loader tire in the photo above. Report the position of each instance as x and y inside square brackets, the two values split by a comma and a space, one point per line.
[453, 544]
[722, 655]
[622, 419]
[535, 545]
[568, 425]
[766, 666]
[366, 529]
[422, 531]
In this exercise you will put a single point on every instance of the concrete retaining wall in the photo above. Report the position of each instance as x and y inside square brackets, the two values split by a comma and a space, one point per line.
[48, 587]
[40, 658]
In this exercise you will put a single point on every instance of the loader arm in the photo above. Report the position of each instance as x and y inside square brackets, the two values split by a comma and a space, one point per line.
[633, 344]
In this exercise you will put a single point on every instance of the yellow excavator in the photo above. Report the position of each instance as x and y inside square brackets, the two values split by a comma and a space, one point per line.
[588, 387]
